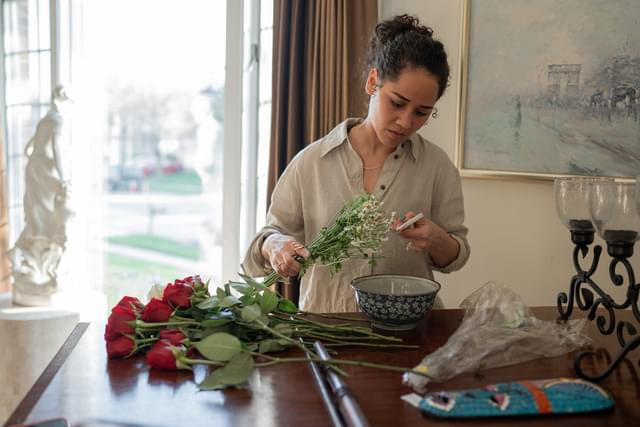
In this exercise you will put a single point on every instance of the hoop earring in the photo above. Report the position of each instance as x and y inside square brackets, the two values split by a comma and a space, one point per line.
[434, 114]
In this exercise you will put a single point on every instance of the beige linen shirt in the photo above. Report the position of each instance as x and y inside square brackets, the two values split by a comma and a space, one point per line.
[417, 177]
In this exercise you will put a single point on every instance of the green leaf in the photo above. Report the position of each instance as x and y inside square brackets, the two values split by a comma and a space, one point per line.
[251, 281]
[228, 301]
[219, 347]
[287, 306]
[251, 312]
[210, 302]
[252, 346]
[268, 301]
[247, 299]
[235, 373]
[264, 319]
[220, 293]
[241, 287]
[271, 345]
[284, 329]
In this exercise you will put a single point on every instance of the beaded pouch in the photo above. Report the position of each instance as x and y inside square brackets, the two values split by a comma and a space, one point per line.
[552, 396]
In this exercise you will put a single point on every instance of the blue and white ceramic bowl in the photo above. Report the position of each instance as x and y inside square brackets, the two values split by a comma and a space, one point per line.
[393, 301]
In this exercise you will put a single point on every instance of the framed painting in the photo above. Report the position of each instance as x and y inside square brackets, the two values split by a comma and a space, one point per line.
[550, 88]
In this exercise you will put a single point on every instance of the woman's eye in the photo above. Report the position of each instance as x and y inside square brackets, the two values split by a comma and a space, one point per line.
[421, 113]
[396, 104]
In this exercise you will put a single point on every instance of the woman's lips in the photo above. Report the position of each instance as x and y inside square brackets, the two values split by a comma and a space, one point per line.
[395, 134]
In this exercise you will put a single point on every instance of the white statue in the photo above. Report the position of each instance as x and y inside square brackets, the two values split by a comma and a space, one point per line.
[37, 252]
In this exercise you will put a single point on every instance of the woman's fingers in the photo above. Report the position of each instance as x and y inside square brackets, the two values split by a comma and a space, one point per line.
[285, 263]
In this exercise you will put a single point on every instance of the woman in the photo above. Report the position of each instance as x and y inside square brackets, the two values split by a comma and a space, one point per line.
[383, 155]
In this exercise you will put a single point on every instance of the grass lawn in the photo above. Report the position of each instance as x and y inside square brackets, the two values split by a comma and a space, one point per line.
[185, 182]
[134, 277]
[158, 244]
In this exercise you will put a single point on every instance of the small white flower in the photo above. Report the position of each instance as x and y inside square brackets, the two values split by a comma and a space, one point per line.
[156, 291]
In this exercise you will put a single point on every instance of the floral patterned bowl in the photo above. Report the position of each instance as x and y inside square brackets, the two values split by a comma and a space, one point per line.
[395, 302]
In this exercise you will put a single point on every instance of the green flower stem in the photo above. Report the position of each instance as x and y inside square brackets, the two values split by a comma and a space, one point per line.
[342, 342]
[328, 334]
[284, 337]
[357, 329]
[187, 361]
[331, 316]
[150, 325]
[366, 344]
[144, 346]
[290, 340]
[144, 341]
[276, 360]
[357, 334]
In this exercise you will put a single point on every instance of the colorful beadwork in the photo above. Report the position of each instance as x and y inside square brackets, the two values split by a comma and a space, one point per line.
[553, 396]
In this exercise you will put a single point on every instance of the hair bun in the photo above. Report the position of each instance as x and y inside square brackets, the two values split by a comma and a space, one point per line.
[400, 24]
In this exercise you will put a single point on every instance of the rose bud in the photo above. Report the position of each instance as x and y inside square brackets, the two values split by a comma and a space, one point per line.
[186, 280]
[119, 324]
[174, 336]
[132, 303]
[178, 295]
[156, 311]
[122, 346]
[162, 355]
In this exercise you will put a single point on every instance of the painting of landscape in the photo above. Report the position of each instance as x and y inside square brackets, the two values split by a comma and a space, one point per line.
[552, 87]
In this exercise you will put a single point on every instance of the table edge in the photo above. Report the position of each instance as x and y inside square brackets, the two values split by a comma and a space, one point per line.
[25, 406]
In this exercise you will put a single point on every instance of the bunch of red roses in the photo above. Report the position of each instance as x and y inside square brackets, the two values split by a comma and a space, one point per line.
[133, 326]
[234, 330]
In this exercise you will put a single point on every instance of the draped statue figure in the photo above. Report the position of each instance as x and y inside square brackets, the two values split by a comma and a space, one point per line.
[37, 252]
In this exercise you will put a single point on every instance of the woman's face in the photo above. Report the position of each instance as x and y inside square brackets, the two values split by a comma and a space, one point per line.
[399, 108]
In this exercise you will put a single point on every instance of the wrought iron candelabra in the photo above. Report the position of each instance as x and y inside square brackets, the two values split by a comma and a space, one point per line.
[614, 209]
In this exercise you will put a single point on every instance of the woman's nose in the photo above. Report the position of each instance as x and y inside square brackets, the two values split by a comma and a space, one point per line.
[405, 121]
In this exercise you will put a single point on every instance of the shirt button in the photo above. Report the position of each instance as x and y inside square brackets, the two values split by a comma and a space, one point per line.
[396, 156]
[382, 187]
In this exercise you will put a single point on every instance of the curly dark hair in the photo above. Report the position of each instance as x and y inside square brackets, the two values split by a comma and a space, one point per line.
[402, 41]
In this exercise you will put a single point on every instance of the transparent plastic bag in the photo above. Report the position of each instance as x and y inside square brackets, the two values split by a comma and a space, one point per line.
[498, 329]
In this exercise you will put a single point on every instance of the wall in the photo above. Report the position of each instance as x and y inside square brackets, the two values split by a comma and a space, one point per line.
[5, 271]
[515, 235]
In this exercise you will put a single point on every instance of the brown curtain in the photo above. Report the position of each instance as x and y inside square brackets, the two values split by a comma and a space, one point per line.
[319, 49]
[5, 273]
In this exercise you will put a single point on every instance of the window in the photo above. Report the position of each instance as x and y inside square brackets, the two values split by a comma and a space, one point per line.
[153, 153]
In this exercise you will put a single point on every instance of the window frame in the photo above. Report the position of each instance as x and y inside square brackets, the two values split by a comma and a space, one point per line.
[234, 199]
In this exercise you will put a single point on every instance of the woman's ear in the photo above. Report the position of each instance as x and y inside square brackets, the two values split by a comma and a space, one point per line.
[372, 82]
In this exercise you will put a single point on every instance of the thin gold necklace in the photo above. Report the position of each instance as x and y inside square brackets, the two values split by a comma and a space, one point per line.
[372, 169]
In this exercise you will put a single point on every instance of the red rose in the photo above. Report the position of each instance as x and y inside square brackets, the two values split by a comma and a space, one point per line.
[124, 311]
[130, 302]
[118, 324]
[178, 295]
[156, 311]
[185, 281]
[120, 347]
[174, 336]
[160, 356]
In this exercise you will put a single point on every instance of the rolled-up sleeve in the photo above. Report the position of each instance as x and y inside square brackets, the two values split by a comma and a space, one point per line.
[448, 213]
[284, 216]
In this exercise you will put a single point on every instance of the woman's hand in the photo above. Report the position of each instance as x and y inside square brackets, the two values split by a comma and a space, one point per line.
[426, 236]
[280, 251]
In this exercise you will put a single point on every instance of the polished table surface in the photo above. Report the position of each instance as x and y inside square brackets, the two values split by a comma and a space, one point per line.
[81, 385]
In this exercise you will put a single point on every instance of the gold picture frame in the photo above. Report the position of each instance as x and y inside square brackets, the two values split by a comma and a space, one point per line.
[537, 98]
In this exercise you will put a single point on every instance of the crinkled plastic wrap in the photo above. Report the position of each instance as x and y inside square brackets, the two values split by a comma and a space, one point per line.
[498, 329]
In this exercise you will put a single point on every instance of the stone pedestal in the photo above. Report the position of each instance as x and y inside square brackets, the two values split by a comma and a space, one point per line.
[29, 338]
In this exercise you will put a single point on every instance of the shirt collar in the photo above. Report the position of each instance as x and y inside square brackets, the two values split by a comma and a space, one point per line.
[339, 134]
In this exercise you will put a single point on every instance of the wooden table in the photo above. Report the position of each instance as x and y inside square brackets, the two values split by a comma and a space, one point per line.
[80, 385]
